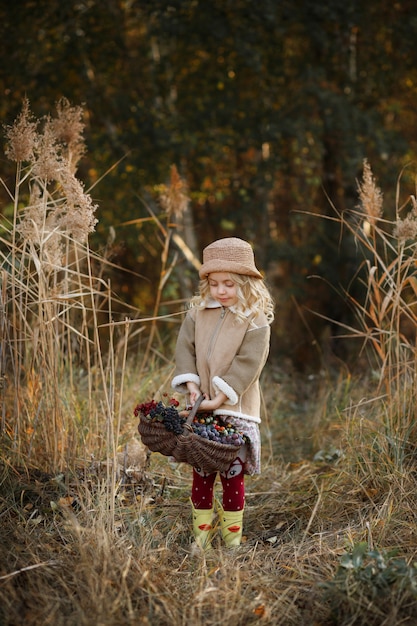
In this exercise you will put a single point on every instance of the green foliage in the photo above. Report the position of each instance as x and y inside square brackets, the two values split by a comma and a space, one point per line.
[370, 577]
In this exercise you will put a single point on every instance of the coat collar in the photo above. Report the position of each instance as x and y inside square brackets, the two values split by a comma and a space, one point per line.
[213, 304]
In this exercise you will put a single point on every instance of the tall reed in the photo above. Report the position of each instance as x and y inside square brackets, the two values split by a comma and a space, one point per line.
[58, 391]
[387, 311]
[62, 352]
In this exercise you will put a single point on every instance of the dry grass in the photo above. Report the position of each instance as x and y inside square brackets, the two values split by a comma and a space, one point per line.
[89, 537]
[301, 518]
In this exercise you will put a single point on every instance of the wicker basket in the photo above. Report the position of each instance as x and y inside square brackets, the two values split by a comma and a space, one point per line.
[156, 437]
[209, 456]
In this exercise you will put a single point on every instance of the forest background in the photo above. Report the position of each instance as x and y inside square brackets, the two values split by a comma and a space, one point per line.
[267, 109]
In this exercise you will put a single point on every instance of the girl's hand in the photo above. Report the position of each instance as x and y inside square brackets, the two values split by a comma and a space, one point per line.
[208, 405]
[194, 392]
[212, 405]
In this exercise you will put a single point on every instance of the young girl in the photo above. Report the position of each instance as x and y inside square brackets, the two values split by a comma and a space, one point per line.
[221, 350]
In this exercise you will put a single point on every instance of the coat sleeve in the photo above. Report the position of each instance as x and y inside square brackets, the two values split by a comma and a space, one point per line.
[185, 359]
[247, 365]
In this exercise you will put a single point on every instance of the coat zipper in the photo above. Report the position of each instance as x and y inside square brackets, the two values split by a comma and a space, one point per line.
[216, 332]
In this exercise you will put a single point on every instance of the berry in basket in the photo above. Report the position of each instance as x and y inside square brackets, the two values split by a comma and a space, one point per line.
[205, 425]
[168, 415]
[209, 427]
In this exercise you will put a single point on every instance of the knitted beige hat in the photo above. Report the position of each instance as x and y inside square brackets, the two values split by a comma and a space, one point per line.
[229, 255]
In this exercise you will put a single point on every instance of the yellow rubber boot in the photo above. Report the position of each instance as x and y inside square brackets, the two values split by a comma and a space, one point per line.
[203, 527]
[231, 523]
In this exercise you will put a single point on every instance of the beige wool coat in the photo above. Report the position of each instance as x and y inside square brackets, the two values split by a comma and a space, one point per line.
[220, 353]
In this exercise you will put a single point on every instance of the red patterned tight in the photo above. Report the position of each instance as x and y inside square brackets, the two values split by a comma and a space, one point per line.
[233, 488]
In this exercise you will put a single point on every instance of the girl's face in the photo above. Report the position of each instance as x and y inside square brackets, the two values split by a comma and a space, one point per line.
[222, 288]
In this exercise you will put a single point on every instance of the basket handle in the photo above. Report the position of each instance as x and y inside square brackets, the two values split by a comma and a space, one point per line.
[193, 411]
